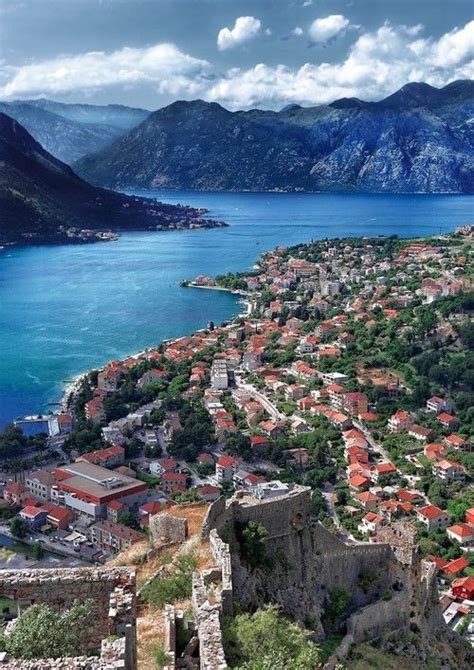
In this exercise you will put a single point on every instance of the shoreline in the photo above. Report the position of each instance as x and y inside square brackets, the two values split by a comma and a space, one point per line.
[73, 386]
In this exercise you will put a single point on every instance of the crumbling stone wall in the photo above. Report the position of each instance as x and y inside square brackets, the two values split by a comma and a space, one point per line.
[168, 528]
[111, 590]
[207, 607]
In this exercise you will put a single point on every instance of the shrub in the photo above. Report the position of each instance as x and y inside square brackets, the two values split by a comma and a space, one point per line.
[173, 585]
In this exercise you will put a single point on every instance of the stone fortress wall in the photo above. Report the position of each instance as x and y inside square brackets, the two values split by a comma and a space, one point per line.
[307, 562]
[112, 592]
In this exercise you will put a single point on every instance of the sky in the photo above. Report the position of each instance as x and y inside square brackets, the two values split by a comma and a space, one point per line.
[240, 53]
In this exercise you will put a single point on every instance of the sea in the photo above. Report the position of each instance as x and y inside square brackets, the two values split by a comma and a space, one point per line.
[68, 309]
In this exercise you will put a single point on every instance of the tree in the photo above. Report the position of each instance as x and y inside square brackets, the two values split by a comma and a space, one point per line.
[128, 519]
[38, 551]
[41, 632]
[252, 541]
[18, 527]
[266, 640]
[336, 608]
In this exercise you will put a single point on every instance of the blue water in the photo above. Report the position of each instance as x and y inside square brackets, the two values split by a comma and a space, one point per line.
[66, 309]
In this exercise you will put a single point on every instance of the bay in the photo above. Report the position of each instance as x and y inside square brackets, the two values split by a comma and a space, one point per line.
[67, 309]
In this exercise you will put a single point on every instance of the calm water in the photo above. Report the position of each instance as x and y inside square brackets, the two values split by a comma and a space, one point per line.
[66, 309]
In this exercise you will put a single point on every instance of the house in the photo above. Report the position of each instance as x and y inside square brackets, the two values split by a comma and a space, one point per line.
[448, 420]
[461, 532]
[420, 433]
[340, 420]
[355, 403]
[379, 470]
[113, 537]
[359, 483]
[463, 588]
[173, 482]
[271, 428]
[226, 467]
[114, 509]
[150, 509]
[205, 459]
[35, 517]
[58, 517]
[368, 500]
[412, 497]
[449, 471]
[259, 442]
[455, 566]
[150, 377]
[400, 421]
[306, 404]
[219, 375]
[455, 442]
[371, 522]
[163, 465]
[470, 516]
[299, 457]
[39, 483]
[294, 392]
[94, 409]
[15, 493]
[208, 492]
[110, 457]
[432, 517]
[434, 451]
[437, 405]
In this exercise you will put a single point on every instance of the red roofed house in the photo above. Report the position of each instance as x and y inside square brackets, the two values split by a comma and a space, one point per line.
[449, 471]
[226, 467]
[463, 588]
[163, 465]
[259, 442]
[447, 420]
[455, 442]
[383, 470]
[359, 483]
[110, 457]
[208, 492]
[461, 533]
[15, 493]
[114, 509]
[58, 517]
[470, 516]
[456, 565]
[205, 459]
[355, 403]
[400, 422]
[173, 482]
[433, 517]
[420, 433]
[35, 517]
[371, 522]
[369, 501]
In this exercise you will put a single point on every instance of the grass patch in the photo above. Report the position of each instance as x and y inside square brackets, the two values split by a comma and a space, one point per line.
[328, 646]
[174, 585]
[148, 479]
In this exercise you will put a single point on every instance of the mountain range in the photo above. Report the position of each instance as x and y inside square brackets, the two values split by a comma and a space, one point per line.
[43, 200]
[70, 131]
[420, 139]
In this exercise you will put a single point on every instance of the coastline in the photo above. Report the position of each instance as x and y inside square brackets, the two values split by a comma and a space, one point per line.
[73, 386]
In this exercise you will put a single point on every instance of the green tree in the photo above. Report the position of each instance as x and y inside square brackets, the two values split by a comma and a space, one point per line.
[41, 632]
[336, 608]
[18, 527]
[266, 640]
[252, 541]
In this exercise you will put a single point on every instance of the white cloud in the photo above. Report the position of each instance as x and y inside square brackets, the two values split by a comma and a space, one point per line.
[297, 32]
[245, 28]
[325, 29]
[307, 3]
[377, 64]
[162, 64]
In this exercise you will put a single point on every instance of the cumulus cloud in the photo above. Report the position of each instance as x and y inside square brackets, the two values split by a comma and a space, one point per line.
[164, 65]
[297, 32]
[245, 28]
[325, 29]
[376, 65]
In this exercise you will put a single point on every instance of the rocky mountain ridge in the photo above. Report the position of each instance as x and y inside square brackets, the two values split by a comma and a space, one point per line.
[420, 139]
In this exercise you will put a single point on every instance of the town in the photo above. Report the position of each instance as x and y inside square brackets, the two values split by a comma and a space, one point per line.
[351, 373]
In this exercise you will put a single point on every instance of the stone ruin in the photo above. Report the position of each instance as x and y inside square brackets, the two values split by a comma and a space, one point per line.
[112, 591]
[308, 562]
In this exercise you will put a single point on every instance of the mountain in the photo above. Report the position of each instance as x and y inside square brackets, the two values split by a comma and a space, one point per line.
[72, 131]
[43, 200]
[420, 139]
[117, 116]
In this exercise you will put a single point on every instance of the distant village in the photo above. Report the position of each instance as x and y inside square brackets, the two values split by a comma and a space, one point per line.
[351, 372]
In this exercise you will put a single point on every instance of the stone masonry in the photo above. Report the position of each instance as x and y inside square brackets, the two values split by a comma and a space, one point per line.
[112, 592]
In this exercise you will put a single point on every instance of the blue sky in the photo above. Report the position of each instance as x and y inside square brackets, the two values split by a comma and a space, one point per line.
[265, 53]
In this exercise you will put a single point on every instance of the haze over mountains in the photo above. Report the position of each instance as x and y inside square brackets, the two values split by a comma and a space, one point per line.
[42, 199]
[420, 139]
[70, 131]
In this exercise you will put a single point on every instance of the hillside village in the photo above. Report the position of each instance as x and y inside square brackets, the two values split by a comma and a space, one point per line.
[351, 373]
